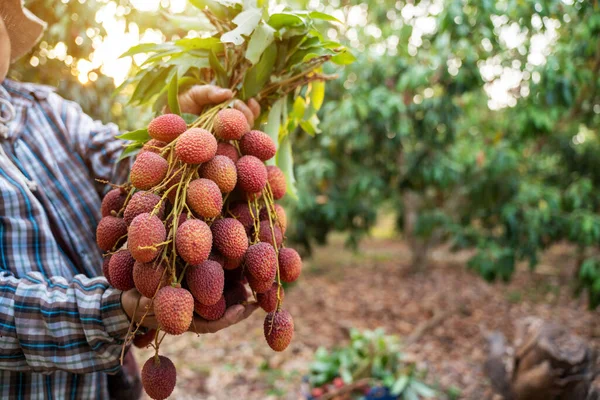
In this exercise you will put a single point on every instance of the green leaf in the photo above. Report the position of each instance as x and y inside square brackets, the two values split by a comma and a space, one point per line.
[141, 135]
[259, 74]
[222, 78]
[399, 386]
[422, 389]
[262, 37]
[189, 118]
[147, 48]
[246, 22]
[174, 95]
[323, 16]
[281, 20]
[317, 94]
[271, 128]
[210, 43]
[190, 23]
[343, 58]
[213, 6]
[285, 162]
[130, 150]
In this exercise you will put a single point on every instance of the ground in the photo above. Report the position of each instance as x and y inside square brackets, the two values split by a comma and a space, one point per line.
[371, 288]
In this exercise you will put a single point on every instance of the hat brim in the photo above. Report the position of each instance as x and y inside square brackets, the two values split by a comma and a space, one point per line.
[24, 29]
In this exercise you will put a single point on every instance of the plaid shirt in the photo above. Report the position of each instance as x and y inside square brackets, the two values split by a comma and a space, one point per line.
[61, 325]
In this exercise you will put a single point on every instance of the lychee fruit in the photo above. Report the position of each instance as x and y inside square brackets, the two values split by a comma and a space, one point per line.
[231, 124]
[110, 229]
[167, 127]
[290, 264]
[222, 171]
[232, 263]
[149, 276]
[204, 198]
[245, 214]
[174, 309]
[277, 182]
[106, 269]
[194, 241]
[146, 233]
[144, 340]
[211, 313]
[142, 202]
[265, 234]
[206, 282]
[279, 329]
[257, 285]
[252, 174]
[281, 216]
[228, 150]
[268, 300]
[196, 146]
[236, 294]
[261, 261]
[121, 270]
[229, 237]
[153, 146]
[148, 170]
[113, 201]
[159, 377]
[258, 144]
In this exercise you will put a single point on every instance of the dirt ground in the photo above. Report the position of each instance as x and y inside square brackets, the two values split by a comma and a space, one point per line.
[371, 288]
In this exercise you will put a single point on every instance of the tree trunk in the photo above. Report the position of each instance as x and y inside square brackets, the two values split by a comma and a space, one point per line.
[419, 247]
[549, 363]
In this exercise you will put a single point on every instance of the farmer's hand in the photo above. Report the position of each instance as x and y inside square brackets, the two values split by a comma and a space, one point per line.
[194, 100]
[233, 315]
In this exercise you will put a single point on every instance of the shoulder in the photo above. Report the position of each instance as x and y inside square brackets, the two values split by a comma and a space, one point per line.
[29, 91]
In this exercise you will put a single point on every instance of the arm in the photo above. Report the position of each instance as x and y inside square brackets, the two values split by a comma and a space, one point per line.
[74, 325]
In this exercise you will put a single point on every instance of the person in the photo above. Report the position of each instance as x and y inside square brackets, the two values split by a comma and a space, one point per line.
[62, 327]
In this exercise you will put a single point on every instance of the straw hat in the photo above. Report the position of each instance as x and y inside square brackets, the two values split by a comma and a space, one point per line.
[24, 28]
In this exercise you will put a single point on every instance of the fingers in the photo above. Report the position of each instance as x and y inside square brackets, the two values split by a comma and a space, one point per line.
[254, 107]
[198, 96]
[232, 316]
[241, 106]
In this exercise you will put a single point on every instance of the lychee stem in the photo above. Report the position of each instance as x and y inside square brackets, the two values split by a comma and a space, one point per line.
[269, 202]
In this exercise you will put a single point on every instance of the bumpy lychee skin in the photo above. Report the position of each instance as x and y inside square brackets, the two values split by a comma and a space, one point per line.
[106, 269]
[258, 144]
[256, 285]
[243, 213]
[211, 313]
[194, 241]
[146, 232]
[265, 234]
[110, 229]
[166, 127]
[159, 377]
[153, 146]
[231, 124]
[196, 146]
[229, 237]
[222, 171]
[204, 198]
[174, 309]
[290, 264]
[113, 202]
[252, 174]
[279, 213]
[206, 282]
[268, 300]
[261, 261]
[279, 329]
[277, 181]
[236, 294]
[144, 340]
[142, 202]
[121, 270]
[149, 276]
[228, 150]
[148, 170]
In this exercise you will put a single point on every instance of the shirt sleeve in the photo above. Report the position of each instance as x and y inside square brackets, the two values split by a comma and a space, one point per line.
[94, 142]
[74, 325]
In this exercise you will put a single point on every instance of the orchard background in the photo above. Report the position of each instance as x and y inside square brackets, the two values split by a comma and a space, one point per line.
[461, 144]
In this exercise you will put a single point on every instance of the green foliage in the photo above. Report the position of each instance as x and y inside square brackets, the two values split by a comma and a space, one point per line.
[374, 355]
[412, 118]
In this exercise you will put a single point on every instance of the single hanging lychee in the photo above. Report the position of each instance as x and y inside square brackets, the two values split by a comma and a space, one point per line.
[159, 377]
